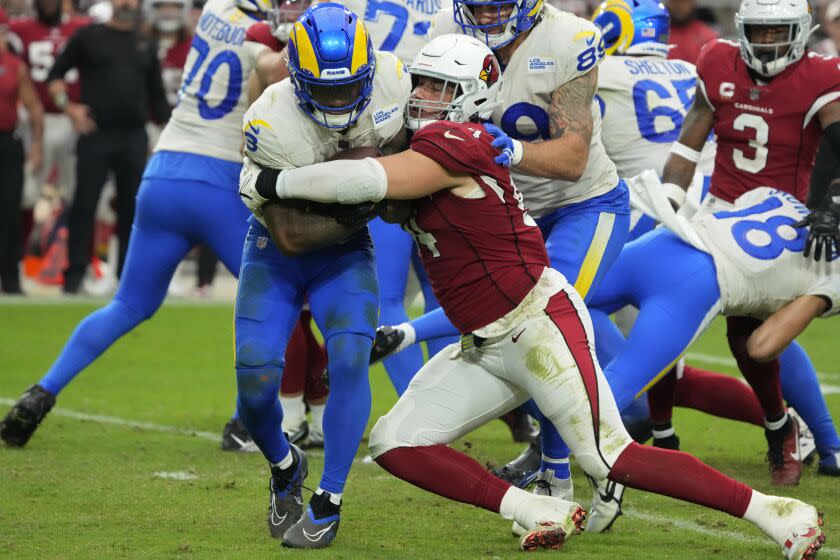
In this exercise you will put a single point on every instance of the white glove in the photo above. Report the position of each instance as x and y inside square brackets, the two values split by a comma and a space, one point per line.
[248, 186]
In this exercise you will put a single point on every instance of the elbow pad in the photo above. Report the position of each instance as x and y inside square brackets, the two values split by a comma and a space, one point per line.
[342, 181]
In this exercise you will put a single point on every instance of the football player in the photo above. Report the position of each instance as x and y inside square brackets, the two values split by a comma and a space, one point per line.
[198, 155]
[770, 102]
[341, 95]
[39, 39]
[526, 332]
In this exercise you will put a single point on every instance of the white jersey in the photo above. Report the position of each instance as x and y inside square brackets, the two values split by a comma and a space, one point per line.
[398, 26]
[213, 94]
[279, 135]
[756, 249]
[559, 48]
[643, 100]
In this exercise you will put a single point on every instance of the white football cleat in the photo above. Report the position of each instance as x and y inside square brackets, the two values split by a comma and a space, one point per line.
[802, 525]
[547, 484]
[550, 521]
[606, 505]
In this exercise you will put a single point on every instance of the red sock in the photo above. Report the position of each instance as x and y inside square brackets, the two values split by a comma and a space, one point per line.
[443, 471]
[661, 398]
[719, 395]
[762, 377]
[681, 476]
[294, 374]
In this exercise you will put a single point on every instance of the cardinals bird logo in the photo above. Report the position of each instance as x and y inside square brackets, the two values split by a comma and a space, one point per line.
[489, 71]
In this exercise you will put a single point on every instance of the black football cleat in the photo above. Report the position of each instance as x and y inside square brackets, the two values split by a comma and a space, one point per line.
[235, 437]
[387, 341]
[25, 416]
[523, 470]
[285, 500]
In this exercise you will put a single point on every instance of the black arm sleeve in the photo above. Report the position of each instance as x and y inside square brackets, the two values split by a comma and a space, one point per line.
[157, 94]
[69, 57]
[826, 166]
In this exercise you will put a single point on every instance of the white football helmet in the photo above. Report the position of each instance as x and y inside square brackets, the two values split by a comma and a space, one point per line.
[168, 20]
[470, 77]
[769, 59]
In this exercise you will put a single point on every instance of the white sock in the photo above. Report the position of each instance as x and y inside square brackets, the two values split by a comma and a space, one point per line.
[335, 498]
[410, 336]
[772, 426]
[757, 514]
[286, 461]
[317, 424]
[512, 501]
[294, 411]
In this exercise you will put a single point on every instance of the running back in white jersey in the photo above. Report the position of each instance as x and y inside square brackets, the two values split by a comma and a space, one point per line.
[213, 94]
[397, 26]
[559, 48]
[279, 135]
[758, 255]
[643, 101]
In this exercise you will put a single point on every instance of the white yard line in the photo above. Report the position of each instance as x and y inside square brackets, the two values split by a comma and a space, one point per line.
[716, 533]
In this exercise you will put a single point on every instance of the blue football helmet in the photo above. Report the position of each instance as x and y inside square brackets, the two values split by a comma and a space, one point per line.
[523, 15]
[331, 65]
[634, 27]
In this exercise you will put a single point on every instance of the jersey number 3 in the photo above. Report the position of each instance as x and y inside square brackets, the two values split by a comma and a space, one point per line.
[758, 161]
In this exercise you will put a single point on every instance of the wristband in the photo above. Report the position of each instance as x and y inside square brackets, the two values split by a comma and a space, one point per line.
[518, 153]
[675, 193]
[685, 152]
[266, 185]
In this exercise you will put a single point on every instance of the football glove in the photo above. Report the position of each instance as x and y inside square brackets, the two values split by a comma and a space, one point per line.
[824, 226]
[248, 186]
[511, 151]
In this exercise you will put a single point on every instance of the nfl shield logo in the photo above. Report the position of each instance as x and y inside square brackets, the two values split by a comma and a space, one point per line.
[754, 93]
[262, 242]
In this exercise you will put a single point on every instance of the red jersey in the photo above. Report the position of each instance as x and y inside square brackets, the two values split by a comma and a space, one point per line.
[767, 133]
[172, 61]
[38, 45]
[482, 254]
[261, 33]
[689, 39]
[9, 84]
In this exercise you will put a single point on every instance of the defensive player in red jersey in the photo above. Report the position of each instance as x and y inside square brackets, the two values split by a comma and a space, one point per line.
[525, 330]
[769, 102]
[39, 39]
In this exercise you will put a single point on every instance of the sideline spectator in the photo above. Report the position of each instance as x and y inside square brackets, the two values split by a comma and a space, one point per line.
[121, 81]
[688, 34]
[831, 26]
[15, 86]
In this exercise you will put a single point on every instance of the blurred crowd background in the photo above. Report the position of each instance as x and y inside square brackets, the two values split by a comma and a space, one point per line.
[38, 186]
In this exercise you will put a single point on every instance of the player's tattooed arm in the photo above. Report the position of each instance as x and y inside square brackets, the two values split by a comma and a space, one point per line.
[769, 340]
[564, 156]
[696, 127]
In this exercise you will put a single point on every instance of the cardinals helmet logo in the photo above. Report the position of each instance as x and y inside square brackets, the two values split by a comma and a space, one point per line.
[489, 71]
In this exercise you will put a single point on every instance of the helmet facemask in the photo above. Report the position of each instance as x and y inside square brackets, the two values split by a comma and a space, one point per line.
[334, 104]
[448, 99]
[512, 17]
[769, 46]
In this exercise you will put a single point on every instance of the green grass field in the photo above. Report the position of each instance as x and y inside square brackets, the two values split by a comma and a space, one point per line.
[85, 486]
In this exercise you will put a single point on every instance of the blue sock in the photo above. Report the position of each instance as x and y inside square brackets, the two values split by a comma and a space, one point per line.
[348, 406]
[801, 389]
[433, 325]
[260, 409]
[555, 453]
